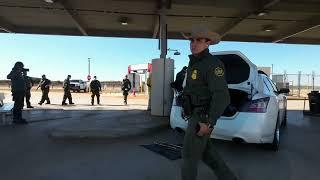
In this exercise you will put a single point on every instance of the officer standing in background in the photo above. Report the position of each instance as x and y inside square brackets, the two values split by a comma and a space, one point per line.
[149, 84]
[67, 93]
[45, 87]
[179, 79]
[95, 87]
[18, 89]
[126, 86]
[29, 84]
[206, 96]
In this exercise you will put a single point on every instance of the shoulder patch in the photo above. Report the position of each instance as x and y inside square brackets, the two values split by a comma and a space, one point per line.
[194, 74]
[218, 71]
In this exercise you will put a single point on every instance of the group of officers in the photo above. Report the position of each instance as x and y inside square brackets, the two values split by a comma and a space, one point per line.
[21, 85]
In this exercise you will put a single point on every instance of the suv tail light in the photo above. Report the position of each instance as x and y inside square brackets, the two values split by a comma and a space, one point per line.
[258, 105]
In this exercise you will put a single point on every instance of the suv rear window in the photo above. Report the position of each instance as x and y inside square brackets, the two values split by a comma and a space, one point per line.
[237, 70]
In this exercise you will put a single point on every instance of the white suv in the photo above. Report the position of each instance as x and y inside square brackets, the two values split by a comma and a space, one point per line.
[78, 85]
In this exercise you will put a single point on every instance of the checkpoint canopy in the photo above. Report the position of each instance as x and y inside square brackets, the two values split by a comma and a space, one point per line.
[281, 21]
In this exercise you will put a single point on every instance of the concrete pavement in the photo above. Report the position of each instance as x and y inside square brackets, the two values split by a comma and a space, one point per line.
[109, 120]
[28, 154]
[109, 124]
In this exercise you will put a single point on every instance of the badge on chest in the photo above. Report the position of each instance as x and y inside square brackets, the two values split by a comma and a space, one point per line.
[194, 74]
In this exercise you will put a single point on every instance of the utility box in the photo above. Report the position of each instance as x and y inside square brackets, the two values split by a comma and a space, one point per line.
[161, 92]
[314, 101]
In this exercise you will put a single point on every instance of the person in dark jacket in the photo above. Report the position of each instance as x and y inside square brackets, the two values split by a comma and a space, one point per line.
[95, 87]
[149, 84]
[44, 86]
[67, 93]
[126, 86]
[18, 89]
[29, 84]
[179, 79]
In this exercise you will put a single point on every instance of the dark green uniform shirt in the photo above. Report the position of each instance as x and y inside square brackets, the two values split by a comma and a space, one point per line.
[66, 85]
[95, 86]
[29, 82]
[126, 85]
[44, 84]
[206, 84]
[18, 83]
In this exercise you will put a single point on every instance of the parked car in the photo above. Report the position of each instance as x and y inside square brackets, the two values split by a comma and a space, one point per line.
[78, 85]
[257, 109]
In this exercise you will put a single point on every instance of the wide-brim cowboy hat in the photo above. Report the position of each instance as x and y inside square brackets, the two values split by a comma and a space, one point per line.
[204, 32]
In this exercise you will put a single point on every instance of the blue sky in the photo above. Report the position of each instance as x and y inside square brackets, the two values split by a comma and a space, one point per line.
[58, 56]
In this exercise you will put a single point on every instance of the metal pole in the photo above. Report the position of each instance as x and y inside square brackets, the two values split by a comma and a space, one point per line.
[163, 46]
[299, 83]
[308, 82]
[88, 66]
[163, 36]
[292, 88]
[313, 74]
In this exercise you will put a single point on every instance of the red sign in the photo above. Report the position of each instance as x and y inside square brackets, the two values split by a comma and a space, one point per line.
[150, 67]
[88, 77]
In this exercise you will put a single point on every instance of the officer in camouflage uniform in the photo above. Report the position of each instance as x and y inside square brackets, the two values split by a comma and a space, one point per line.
[67, 93]
[207, 96]
[126, 86]
[45, 88]
[18, 89]
[95, 87]
[29, 84]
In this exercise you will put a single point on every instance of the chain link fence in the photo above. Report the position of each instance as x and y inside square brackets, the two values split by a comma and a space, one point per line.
[300, 84]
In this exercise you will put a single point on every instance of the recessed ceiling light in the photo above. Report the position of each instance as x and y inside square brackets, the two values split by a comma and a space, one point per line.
[49, 1]
[262, 13]
[124, 21]
[268, 28]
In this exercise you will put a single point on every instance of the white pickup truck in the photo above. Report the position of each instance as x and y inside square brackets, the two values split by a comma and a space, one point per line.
[78, 85]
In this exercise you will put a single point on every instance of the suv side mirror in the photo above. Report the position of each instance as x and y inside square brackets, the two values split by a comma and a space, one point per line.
[284, 91]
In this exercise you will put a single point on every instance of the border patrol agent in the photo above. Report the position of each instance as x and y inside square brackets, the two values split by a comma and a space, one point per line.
[18, 89]
[67, 93]
[149, 84]
[179, 79]
[45, 88]
[95, 87]
[205, 98]
[29, 84]
[126, 86]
